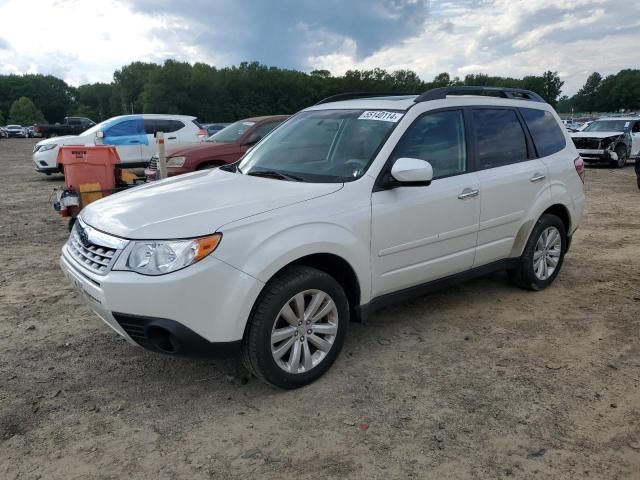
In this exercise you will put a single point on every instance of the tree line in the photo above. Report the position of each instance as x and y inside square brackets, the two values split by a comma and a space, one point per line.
[224, 94]
[609, 94]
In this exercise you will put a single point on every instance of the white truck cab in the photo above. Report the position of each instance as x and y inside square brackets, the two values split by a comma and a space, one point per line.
[348, 205]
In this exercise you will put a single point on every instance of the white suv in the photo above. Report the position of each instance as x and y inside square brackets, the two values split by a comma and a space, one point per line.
[345, 207]
[132, 135]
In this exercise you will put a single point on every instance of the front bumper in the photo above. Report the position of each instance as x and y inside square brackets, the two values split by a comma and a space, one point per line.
[597, 155]
[204, 306]
[47, 161]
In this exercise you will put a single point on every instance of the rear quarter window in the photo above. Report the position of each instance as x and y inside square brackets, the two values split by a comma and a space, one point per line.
[545, 131]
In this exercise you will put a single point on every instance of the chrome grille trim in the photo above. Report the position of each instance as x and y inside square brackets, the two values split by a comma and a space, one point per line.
[153, 163]
[94, 250]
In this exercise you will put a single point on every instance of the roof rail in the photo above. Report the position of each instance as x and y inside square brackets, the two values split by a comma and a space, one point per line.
[355, 95]
[513, 93]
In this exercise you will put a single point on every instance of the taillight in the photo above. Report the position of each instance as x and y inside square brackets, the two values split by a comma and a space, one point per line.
[202, 133]
[579, 164]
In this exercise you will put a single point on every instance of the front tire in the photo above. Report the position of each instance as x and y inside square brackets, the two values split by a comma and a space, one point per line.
[543, 255]
[621, 151]
[297, 328]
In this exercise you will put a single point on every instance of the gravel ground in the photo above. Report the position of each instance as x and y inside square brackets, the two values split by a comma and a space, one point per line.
[479, 381]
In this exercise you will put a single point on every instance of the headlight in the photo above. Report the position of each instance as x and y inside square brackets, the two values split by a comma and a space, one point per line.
[44, 148]
[165, 256]
[175, 161]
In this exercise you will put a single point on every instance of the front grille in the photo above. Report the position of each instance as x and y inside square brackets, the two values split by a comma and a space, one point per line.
[153, 163]
[96, 258]
[587, 143]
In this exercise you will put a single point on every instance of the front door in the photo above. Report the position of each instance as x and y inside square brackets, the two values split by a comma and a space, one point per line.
[423, 233]
[129, 137]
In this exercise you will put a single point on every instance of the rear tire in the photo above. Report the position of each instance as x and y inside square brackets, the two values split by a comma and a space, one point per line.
[542, 259]
[285, 345]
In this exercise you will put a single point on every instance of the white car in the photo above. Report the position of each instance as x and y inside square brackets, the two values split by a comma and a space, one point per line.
[17, 131]
[612, 140]
[343, 208]
[133, 136]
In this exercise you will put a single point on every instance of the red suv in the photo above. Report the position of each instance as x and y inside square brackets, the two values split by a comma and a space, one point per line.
[223, 147]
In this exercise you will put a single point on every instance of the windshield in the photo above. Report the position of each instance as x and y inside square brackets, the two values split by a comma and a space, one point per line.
[232, 133]
[323, 145]
[608, 126]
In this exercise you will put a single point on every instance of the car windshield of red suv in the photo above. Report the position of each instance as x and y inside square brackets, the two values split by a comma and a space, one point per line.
[232, 133]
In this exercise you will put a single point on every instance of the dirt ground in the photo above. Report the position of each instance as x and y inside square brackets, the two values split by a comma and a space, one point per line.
[479, 381]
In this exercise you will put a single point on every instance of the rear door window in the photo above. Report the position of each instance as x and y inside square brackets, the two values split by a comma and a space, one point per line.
[500, 139]
[153, 125]
[545, 132]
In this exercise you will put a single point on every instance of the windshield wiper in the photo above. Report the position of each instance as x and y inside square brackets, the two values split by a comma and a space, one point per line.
[275, 174]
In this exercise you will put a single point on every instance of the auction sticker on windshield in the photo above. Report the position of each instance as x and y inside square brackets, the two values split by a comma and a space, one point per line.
[381, 115]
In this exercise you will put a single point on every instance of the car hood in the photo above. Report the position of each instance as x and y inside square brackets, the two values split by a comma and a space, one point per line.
[202, 149]
[195, 204]
[596, 134]
[64, 140]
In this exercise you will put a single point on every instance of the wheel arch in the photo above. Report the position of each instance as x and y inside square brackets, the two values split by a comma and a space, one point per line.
[557, 209]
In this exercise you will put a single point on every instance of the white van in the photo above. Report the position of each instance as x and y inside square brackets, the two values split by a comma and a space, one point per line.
[133, 136]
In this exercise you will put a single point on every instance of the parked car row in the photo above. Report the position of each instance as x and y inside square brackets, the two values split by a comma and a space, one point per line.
[18, 131]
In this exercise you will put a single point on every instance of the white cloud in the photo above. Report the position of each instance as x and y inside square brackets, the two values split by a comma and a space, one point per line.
[513, 38]
[85, 41]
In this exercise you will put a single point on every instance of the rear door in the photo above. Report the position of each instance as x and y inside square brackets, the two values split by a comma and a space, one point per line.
[511, 179]
[128, 136]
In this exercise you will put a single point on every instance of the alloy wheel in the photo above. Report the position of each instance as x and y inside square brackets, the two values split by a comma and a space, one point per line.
[546, 255]
[304, 331]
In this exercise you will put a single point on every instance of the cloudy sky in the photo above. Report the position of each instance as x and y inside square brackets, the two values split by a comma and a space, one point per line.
[86, 40]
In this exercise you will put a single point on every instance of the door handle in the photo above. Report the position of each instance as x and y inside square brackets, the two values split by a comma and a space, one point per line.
[171, 138]
[468, 193]
[537, 177]
[133, 142]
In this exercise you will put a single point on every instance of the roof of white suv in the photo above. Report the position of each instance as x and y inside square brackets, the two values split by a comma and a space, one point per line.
[452, 95]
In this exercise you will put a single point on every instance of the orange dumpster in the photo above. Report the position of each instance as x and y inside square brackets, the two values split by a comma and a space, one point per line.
[89, 171]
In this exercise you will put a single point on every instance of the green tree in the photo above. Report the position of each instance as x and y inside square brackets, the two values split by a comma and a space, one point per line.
[552, 87]
[587, 97]
[1, 118]
[130, 82]
[24, 112]
[320, 73]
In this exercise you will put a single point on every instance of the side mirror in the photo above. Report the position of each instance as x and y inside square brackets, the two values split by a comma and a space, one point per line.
[99, 134]
[411, 172]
